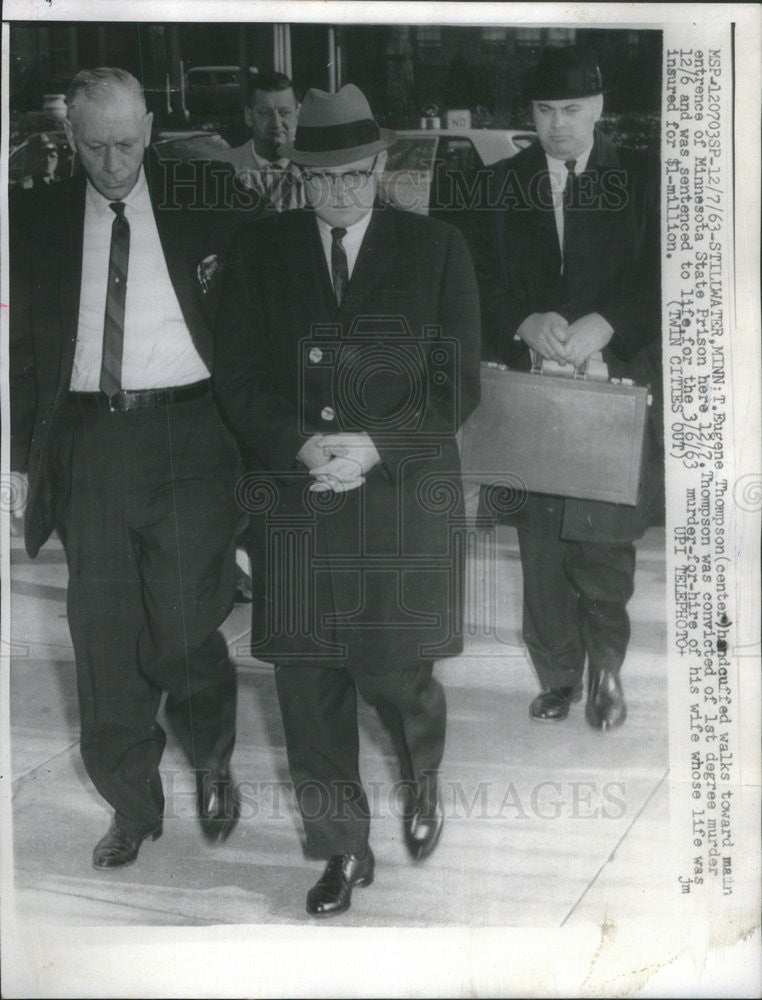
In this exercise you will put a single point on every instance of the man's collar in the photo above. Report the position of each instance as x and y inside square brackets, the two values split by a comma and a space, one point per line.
[356, 229]
[556, 166]
[133, 200]
[263, 163]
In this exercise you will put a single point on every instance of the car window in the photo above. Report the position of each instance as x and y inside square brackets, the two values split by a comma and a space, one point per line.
[227, 79]
[28, 159]
[201, 147]
[412, 153]
[458, 154]
[524, 141]
[406, 181]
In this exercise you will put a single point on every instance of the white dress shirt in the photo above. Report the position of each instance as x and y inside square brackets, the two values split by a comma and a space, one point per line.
[158, 348]
[558, 174]
[351, 242]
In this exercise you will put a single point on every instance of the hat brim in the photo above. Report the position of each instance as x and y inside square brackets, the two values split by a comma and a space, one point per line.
[558, 94]
[337, 157]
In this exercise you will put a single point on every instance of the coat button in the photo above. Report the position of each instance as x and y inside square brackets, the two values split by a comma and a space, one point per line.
[316, 355]
[327, 413]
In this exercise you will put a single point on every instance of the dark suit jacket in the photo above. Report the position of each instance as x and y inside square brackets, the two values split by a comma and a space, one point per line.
[374, 573]
[615, 245]
[45, 274]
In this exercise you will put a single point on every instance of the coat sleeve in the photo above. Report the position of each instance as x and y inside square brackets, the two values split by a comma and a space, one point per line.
[503, 307]
[264, 421]
[632, 305]
[452, 361]
[22, 226]
[453, 399]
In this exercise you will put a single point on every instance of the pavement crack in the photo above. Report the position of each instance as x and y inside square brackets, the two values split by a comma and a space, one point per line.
[612, 855]
[43, 763]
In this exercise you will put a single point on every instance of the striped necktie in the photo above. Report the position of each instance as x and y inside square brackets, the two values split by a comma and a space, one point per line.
[273, 177]
[281, 187]
[116, 294]
[339, 264]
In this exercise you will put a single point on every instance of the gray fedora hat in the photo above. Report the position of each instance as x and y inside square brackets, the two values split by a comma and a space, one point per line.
[563, 74]
[336, 128]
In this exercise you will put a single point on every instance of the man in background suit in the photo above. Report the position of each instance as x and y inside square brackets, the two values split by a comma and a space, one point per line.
[127, 457]
[347, 358]
[271, 112]
[570, 268]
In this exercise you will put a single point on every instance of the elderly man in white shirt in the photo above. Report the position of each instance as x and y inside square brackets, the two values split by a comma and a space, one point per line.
[128, 459]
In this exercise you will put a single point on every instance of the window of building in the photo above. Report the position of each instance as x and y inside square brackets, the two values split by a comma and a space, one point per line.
[428, 40]
[528, 38]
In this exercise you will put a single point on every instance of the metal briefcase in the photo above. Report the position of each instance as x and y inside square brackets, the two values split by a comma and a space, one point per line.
[575, 436]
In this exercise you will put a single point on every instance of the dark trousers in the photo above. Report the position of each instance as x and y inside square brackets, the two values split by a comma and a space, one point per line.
[575, 596]
[319, 710]
[149, 526]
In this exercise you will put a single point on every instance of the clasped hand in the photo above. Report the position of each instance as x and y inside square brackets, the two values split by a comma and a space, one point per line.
[338, 462]
[566, 343]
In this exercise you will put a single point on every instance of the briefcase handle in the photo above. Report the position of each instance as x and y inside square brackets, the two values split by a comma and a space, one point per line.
[594, 367]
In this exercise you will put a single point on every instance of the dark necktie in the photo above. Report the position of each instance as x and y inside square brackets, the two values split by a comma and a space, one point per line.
[339, 265]
[116, 293]
[568, 202]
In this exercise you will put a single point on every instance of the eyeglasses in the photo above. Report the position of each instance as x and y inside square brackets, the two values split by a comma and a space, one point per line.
[349, 178]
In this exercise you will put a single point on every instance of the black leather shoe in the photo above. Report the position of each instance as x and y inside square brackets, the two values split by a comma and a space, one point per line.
[553, 705]
[332, 893]
[117, 848]
[423, 822]
[219, 806]
[606, 708]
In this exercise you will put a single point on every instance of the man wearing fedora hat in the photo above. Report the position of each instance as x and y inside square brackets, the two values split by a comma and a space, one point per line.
[348, 355]
[569, 267]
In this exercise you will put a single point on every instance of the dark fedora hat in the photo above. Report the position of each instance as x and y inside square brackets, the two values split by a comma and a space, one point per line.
[336, 128]
[563, 74]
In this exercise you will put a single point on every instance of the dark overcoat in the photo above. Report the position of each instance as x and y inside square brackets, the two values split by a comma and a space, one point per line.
[374, 573]
[47, 229]
[614, 238]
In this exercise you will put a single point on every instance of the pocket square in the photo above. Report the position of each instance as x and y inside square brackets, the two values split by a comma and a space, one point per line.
[206, 271]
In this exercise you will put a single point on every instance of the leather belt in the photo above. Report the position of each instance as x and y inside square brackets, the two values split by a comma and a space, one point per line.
[139, 399]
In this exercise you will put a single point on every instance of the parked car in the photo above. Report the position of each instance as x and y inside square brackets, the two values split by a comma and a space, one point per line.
[440, 171]
[25, 161]
[189, 145]
[213, 90]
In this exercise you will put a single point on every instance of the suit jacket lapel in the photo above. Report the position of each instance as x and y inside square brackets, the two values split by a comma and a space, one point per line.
[184, 241]
[376, 255]
[589, 225]
[173, 242]
[301, 257]
[71, 273]
[537, 191]
[604, 154]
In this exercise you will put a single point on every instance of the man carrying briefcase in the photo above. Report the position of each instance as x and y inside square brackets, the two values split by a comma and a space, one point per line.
[569, 268]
